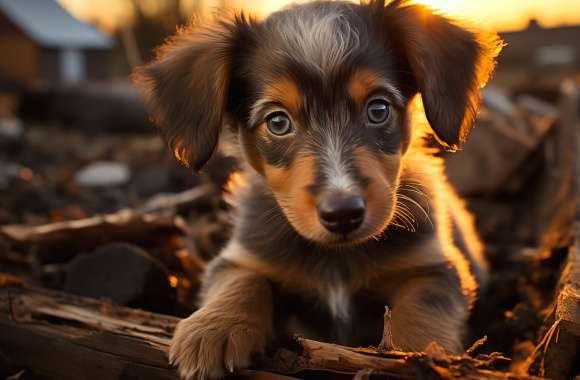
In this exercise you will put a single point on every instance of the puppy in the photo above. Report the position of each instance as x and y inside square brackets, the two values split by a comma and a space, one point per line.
[340, 211]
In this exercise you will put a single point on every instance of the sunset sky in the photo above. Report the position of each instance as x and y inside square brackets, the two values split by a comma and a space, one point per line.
[498, 14]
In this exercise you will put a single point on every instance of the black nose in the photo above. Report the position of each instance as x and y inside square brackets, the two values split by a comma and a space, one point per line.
[341, 213]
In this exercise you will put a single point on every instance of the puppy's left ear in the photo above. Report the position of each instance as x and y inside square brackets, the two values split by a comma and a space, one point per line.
[187, 87]
[450, 65]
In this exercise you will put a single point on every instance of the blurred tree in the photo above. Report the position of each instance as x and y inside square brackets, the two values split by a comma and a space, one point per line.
[154, 21]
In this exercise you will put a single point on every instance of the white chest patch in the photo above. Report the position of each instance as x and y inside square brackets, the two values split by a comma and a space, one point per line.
[338, 299]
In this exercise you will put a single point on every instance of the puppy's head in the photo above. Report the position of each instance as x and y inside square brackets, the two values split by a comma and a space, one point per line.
[318, 95]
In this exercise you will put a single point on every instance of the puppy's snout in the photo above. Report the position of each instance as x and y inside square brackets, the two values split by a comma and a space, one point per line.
[341, 213]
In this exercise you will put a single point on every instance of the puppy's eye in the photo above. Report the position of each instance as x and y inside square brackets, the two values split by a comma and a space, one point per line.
[279, 124]
[378, 111]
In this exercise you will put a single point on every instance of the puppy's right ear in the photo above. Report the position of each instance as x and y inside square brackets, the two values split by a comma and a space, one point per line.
[450, 64]
[186, 87]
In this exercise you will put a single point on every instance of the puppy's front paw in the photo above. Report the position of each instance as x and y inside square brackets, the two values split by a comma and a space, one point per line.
[206, 345]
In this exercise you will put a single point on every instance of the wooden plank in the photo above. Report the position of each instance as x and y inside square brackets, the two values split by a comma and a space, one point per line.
[563, 347]
[61, 336]
[568, 301]
[66, 337]
[556, 354]
[434, 364]
[157, 213]
[156, 219]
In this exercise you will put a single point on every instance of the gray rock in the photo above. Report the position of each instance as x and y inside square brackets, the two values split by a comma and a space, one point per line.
[11, 136]
[8, 172]
[11, 129]
[103, 173]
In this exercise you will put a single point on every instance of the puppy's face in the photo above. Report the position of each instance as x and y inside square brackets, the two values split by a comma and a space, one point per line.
[328, 144]
[318, 96]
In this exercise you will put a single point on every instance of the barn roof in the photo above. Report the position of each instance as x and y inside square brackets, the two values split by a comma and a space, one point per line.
[50, 25]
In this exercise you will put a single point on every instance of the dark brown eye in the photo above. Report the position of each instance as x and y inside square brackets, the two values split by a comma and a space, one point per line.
[279, 124]
[378, 112]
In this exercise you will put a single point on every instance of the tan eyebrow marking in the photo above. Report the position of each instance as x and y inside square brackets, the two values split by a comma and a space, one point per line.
[364, 81]
[285, 91]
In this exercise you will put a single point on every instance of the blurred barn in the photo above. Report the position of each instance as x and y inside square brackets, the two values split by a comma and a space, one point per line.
[42, 45]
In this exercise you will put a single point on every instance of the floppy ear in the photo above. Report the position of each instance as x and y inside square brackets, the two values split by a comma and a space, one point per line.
[450, 65]
[186, 87]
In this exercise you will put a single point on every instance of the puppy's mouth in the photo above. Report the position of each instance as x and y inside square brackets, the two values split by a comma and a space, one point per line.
[341, 219]
[345, 240]
[333, 234]
[332, 240]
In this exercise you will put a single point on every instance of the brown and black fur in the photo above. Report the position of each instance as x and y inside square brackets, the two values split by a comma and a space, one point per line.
[282, 272]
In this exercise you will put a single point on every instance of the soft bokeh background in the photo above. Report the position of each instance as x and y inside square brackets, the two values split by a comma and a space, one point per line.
[75, 141]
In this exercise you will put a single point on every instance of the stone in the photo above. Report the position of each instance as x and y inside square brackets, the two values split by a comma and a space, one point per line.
[103, 174]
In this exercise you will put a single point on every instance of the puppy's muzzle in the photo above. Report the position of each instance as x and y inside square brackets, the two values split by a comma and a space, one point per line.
[341, 213]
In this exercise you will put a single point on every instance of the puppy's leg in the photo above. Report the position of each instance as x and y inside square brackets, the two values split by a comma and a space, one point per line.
[426, 310]
[234, 322]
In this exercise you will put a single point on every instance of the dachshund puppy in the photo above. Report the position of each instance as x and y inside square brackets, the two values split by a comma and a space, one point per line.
[340, 210]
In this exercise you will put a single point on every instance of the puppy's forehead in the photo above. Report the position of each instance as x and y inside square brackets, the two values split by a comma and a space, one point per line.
[320, 35]
[323, 47]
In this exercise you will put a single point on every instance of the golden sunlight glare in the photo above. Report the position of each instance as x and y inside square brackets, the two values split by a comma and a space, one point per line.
[445, 6]
[497, 14]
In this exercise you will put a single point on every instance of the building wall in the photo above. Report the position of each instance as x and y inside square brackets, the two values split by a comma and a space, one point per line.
[49, 60]
[98, 64]
[19, 54]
